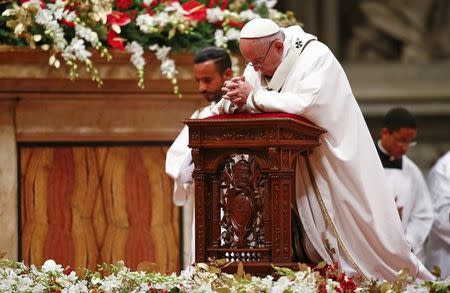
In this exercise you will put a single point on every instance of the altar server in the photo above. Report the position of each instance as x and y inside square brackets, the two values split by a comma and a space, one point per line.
[405, 178]
[212, 67]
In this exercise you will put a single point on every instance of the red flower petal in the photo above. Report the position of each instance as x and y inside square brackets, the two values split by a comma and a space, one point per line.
[195, 10]
[119, 18]
[67, 23]
[115, 41]
[236, 24]
[124, 4]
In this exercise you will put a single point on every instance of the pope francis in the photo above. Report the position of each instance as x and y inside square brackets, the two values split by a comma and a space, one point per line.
[343, 199]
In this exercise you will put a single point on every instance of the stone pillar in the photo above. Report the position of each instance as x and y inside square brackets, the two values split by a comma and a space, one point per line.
[9, 224]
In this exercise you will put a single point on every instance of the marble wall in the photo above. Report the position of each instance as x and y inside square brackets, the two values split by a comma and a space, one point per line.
[8, 182]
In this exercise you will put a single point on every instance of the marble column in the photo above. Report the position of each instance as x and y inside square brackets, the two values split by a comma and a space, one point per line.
[9, 226]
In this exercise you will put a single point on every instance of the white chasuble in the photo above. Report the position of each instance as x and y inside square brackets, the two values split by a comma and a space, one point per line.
[438, 248]
[346, 166]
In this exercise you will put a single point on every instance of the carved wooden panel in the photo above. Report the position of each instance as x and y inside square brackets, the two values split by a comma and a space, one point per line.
[84, 205]
[245, 185]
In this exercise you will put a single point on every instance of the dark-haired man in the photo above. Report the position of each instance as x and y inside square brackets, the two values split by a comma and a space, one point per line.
[406, 180]
[212, 67]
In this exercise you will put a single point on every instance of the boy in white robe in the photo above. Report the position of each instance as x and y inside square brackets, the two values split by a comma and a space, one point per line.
[212, 67]
[406, 180]
[351, 217]
[438, 248]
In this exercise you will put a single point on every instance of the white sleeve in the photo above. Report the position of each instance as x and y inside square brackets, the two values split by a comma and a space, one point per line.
[439, 185]
[421, 218]
[179, 164]
[306, 81]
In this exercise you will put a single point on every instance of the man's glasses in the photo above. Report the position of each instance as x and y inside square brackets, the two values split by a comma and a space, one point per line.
[261, 63]
[403, 142]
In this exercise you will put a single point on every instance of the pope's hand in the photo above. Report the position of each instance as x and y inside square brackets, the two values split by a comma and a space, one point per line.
[237, 90]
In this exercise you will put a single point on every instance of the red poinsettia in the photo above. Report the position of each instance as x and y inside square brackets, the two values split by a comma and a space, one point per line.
[118, 18]
[195, 10]
[115, 41]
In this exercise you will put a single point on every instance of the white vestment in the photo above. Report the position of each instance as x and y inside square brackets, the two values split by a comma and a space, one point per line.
[179, 166]
[346, 166]
[413, 201]
[438, 248]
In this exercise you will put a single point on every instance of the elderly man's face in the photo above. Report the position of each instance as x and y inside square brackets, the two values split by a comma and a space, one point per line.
[210, 81]
[265, 59]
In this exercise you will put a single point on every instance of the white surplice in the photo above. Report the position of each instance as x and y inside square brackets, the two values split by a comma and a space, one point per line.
[413, 200]
[346, 166]
[438, 248]
[179, 166]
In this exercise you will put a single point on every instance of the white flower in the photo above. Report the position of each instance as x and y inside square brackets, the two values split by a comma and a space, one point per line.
[280, 285]
[187, 273]
[214, 15]
[19, 29]
[137, 54]
[168, 68]
[9, 12]
[95, 280]
[162, 52]
[274, 14]
[162, 19]
[175, 6]
[204, 288]
[146, 23]
[267, 3]
[87, 34]
[248, 14]
[38, 288]
[51, 266]
[43, 17]
[75, 288]
[233, 34]
[76, 50]
[267, 281]
[70, 15]
[110, 283]
[220, 39]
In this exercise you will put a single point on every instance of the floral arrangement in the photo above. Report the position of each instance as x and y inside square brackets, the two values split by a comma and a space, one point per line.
[52, 277]
[72, 29]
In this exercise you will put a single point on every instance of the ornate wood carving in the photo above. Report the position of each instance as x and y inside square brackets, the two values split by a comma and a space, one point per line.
[245, 184]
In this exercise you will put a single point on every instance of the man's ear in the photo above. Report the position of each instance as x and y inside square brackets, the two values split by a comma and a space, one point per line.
[383, 132]
[279, 46]
[228, 73]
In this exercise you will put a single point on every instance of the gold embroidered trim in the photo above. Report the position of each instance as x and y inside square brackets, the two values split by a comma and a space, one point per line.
[329, 220]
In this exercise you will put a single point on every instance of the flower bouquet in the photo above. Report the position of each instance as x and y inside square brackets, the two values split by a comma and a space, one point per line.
[71, 30]
[52, 277]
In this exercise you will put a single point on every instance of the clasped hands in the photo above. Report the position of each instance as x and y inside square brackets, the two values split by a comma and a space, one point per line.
[237, 90]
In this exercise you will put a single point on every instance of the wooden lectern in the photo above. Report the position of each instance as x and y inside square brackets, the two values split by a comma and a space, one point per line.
[245, 185]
